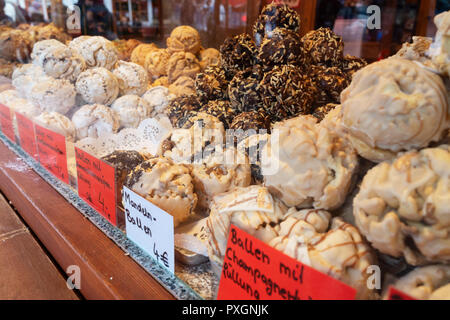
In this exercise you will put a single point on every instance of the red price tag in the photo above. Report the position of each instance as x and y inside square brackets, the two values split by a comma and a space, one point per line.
[395, 294]
[26, 134]
[51, 148]
[253, 270]
[6, 122]
[96, 184]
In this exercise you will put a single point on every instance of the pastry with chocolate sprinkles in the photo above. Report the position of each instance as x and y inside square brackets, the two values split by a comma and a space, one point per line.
[283, 46]
[244, 90]
[322, 111]
[211, 84]
[330, 83]
[275, 16]
[181, 108]
[324, 47]
[351, 64]
[124, 162]
[237, 53]
[222, 110]
[244, 124]
[287, 92]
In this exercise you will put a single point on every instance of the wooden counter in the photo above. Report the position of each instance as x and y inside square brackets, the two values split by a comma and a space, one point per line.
[71, 239]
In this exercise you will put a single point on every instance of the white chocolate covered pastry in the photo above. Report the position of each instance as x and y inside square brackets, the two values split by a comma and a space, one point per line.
[394, 105]
[25, 107]
[426, 283]
[53, 95]
[182, 64]
[167, 185]
[131, 110]
[96, 51]
[61, 62]
[403, 206]
[337, 249]
[200, 135]
[156, 63]
[440, 48]
[310, 166]
[220, 172]
[158, 97]
[98, 85]
[8, 96]
[57, 123]
[94, 121]
[184, 39]
[417, 51]
[42, 46]
[252, 209]
[132, 78]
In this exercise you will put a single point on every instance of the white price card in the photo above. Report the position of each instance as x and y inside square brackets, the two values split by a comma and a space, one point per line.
[150, 227]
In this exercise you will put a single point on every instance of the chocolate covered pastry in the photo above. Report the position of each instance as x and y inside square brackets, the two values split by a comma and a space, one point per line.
[351, 64]
[132, 78]
[180, 107]
[167, 185]
[322, 111]
[330, 82]
[220, 109]
[211, 84]
[281, 46]
[123, 162]
[250, 120]
[184, 39]
[182, 64]
[287, 92]
[244, 90]
[275, 16]
[238, 52]
[323, 46]
[402, 207]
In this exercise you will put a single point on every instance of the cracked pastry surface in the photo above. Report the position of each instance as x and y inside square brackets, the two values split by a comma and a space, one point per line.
[426, 283]
[15, 45]
[416, 51]
[402, 207]
[95, 120]
[158, 98]
[57, 123]
[131, 110]
[252, 209]
[328, 245]
[440, 48]
[98, 85]
[96, 51]
[183, 86]
[184, 39]
[132, 78]
[182, 64]
[140, 53]
[310, 166]
[393, 105]
[53, 95]
[167, 185]
[156, 63]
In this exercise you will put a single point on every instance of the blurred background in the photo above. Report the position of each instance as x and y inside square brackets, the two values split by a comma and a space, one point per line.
[153, 20]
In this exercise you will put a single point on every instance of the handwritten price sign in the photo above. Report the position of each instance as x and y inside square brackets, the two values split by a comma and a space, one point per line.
[253, 270]
[51, 147]
[26, 135]
[6, 122]
[96, 184]
[150, 228]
